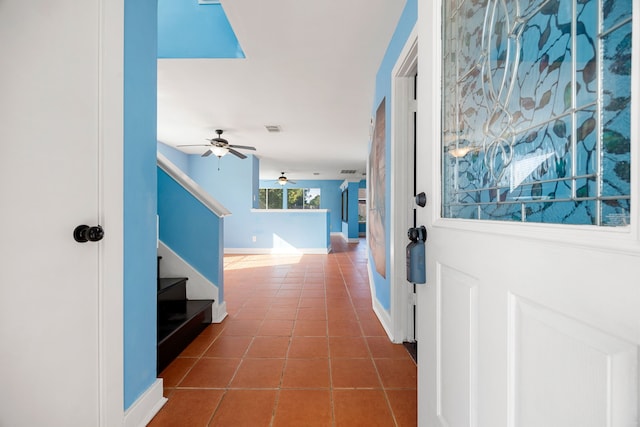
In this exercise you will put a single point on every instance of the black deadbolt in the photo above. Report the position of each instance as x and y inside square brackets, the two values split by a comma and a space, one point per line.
[84, 233]
[421, 199]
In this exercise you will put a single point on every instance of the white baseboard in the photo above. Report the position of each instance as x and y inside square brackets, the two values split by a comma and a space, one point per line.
[382, 314]
[146, 406]
[277, 251]
[349, 239]
[218, 312]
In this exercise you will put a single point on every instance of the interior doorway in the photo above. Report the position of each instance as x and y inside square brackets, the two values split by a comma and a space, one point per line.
[403, 185]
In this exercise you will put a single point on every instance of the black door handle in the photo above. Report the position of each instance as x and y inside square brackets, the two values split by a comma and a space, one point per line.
[84, 233]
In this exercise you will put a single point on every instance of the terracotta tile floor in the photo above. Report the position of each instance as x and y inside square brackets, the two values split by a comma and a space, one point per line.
[301, 347]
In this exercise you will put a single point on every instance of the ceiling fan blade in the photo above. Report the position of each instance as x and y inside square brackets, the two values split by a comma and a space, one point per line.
[244, 147]
[207, 153]
[237, 153]
[194, 145]
[291, 182]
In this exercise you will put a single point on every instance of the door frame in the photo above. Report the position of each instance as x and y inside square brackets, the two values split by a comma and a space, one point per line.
[402, 128]
[111, 207]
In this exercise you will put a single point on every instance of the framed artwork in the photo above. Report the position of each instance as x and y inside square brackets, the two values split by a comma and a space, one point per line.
[377, 188]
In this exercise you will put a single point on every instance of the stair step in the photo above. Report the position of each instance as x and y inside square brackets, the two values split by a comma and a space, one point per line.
[172, 288]
[179, 322]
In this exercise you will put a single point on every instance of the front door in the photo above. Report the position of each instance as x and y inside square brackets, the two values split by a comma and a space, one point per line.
[51, 124]
[529, 316]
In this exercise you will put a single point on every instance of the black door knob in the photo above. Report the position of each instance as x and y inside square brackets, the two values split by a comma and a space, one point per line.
[84, 233]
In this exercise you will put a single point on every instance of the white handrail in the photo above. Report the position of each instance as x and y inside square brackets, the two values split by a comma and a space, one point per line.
[192, 187]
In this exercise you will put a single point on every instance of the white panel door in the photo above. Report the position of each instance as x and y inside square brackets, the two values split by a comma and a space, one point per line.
[521, 325]
[49, 183]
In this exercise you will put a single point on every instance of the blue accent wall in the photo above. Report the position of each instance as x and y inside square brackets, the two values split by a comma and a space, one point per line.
[383, 89]
[187, 29]
[140, 189]
[177, 157]
[190, 229]
[291, 229]
[231, 185]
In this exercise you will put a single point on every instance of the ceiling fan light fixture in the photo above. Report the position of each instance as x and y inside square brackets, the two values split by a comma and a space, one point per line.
[282, 180]
[219, 151]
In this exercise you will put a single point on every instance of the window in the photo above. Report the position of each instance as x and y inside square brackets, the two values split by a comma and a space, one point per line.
[297, 198]
[362, 205]
[536, 111]
[270, 198]
[303, 198]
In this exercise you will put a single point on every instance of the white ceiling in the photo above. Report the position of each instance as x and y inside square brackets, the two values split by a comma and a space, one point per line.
[310, 68]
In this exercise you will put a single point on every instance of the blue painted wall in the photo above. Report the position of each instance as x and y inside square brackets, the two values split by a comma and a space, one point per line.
[190, 229]
[291, 229]
[140, 29]
[330, 196]
[383, 89]
[187, 29]
[177, 157]
[231, 186]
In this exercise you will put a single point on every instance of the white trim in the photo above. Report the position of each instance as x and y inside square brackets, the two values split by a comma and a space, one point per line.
[378, 309]
[111, 205]
[349, 239]
[192, 187]
[277, 251]
[218, 312]
[253, 210]
[401, 319]
[385, 320]
[146, 406]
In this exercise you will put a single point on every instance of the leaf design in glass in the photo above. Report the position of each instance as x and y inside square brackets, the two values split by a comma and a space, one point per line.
[590, 70]
[544, 37]
[560, 128]
[545, 99]
[527, 103]
[615, 143]
[561, 168]
[586, 128]
[556, 64]
[607, 7]
[536, 190]
[567, 96]
[617, 104]
[550, 8]
[622, 65]
[544, 62]
[623, 170]
[583, 191]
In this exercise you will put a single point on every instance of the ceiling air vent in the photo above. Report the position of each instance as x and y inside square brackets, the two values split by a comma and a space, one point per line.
[208, 1]
[273, 128]
[348, 171]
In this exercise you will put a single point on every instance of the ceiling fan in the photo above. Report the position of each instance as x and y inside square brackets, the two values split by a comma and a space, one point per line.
[220, 146]
[282, 180]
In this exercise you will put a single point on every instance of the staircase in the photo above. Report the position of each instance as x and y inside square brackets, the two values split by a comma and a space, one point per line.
[179, 320]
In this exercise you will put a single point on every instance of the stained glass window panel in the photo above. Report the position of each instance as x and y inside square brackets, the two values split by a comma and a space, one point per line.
[536, 111]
